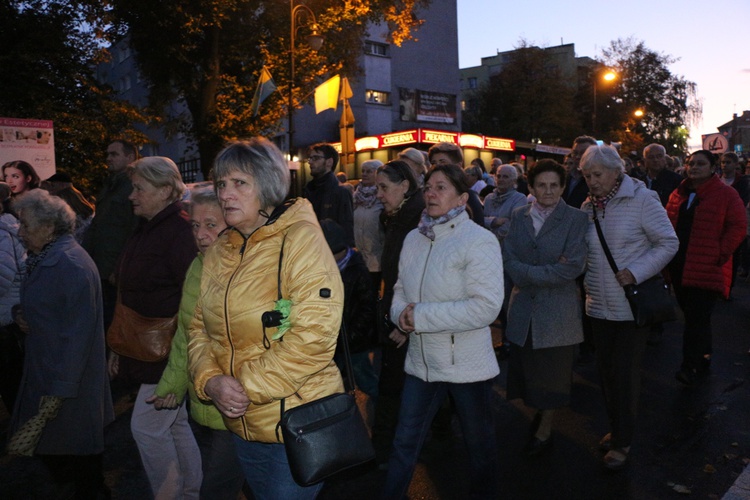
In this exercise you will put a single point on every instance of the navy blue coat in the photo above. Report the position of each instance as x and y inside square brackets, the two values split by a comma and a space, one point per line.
[61, 301]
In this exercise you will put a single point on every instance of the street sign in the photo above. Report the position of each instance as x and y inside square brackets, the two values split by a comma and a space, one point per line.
[738, 148]
[716, 143]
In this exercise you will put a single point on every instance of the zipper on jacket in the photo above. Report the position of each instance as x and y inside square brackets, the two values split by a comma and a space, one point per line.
[226, 325]
[421, 285]
[453, 350]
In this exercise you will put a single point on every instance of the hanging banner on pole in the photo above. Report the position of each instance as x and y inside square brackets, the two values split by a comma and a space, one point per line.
[32, 141]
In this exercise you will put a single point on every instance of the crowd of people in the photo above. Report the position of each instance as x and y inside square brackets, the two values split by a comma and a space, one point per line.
[144, 290]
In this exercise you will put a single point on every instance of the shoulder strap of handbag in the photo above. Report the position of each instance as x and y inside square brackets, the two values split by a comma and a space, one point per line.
[605, 247]
[342, 342]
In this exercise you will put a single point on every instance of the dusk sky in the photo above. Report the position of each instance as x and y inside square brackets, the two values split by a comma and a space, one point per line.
[709, 38]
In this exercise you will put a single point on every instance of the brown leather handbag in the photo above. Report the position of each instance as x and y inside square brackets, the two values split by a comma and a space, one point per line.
[140, 337]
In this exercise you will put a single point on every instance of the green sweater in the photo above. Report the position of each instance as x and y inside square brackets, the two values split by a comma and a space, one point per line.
[176, 379]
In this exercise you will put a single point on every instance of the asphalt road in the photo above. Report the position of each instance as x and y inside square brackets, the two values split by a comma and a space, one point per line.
[691, 442]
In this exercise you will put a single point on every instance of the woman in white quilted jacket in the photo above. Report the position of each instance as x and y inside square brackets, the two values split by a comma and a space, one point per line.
[449, 290]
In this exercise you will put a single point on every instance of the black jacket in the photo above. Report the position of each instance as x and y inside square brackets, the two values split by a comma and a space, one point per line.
[331, 201]
[359, 304]
[577, 195]
[666, 181]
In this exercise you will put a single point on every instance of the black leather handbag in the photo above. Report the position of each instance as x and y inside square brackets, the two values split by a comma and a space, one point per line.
[650, 301]
[326, 436]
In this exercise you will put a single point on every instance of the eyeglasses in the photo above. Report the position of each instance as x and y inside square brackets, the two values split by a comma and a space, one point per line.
[314, 158]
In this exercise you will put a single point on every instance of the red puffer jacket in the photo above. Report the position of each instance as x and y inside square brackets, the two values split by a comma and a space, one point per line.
[718, 228]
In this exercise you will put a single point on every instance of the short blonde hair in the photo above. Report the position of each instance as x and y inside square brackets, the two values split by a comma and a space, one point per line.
[160, 171]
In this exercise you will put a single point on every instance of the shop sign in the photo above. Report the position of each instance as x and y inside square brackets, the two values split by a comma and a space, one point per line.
[471, 141]
[499, 144]
[399, 138]
[435, 136]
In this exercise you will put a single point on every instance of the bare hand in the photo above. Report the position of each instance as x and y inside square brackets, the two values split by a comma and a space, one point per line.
[406, 319]
[625, 277]
[21, 322]
[113, 364]
[498, 221]
[168, 402]
[398, 337]
[228, 395]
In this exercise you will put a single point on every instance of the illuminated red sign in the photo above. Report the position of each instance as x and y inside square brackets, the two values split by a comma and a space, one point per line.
[499, 144]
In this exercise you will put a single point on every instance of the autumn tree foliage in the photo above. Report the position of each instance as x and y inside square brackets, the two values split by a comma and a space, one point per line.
[49, 49]
[209, 53]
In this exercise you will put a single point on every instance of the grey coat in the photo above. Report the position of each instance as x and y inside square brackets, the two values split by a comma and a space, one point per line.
[62, 303]
[545, 296]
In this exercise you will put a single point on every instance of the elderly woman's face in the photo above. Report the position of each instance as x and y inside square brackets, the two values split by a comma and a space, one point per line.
[238, 196]
[547, 189]
[441, 196]
[147, 199]
[600, 180]
[207, 221]
[391, 194]
[33, 235]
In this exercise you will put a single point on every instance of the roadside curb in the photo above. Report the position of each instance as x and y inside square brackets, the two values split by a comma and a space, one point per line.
[740, 490]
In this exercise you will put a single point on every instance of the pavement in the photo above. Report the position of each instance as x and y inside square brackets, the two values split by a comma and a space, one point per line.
[690, 442]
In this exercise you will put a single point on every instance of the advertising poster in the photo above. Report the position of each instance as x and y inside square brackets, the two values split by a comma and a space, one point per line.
[424, 106]
[32, 141]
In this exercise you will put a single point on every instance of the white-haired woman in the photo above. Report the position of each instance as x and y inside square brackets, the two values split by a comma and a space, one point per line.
[149, 276]
[65, 370]
[368, 232]
[244, 368]
[416, 161]
[639, 235]
[499, 205]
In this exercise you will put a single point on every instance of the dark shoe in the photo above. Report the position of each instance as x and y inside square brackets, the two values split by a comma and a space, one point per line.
[502, 352]
[605, 444]
[617, 459]
[690, 376]
[536, 446]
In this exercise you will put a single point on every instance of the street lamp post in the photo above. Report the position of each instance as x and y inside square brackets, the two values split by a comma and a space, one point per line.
[608, 76]
[299, 13]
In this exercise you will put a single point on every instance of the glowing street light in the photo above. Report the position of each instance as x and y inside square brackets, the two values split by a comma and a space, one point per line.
[638, 113]
[608, 76]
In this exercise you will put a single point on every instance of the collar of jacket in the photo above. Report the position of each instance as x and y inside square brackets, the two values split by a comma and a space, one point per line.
[58, 248]
[281, 217]
[325, 180]
[172, 208]
[712, 184]
[441, 230]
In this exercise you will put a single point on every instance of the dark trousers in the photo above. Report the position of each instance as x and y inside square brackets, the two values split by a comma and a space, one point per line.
[85, 472]
[420, 402]
[11, 364]
[619, 353]
[697, 304]
[390, 385]
[222, 473]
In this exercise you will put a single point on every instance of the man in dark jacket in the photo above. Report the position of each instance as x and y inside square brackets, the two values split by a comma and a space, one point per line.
[113, 221]
[731, 175]
[576, 189]
[328, 198]
[658, 177]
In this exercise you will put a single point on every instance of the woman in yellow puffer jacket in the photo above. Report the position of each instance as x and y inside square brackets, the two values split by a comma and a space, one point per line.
[247, 369]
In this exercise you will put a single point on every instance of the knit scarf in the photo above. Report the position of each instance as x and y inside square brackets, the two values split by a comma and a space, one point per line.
[364, 196]
[427, 223]
[544, 212]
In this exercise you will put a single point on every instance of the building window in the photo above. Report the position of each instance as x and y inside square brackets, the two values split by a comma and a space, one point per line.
[463, 105]
[376, 49]
[378, 97]
[472, 83]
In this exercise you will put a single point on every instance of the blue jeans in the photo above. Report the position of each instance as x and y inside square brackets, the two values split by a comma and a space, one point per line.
[267, 472]
[420, 401]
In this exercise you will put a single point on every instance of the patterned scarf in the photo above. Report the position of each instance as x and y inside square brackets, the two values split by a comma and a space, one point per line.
[497, 201]
[33, 259]
[427, 223]
[364, 196]
[601, 201]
